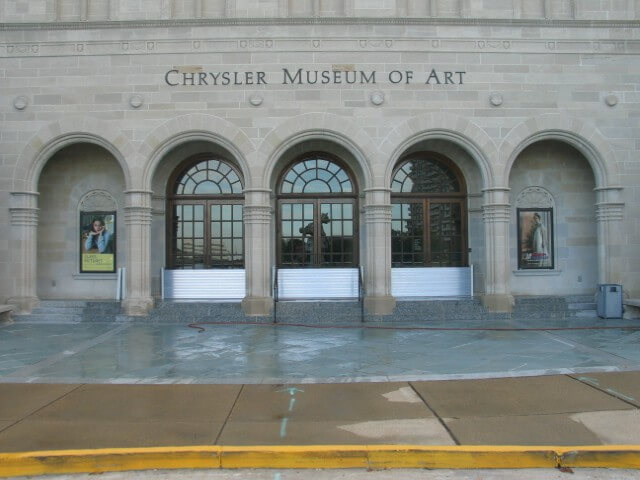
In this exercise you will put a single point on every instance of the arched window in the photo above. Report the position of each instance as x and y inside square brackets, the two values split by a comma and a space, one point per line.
[205, 204]
[317, 215]
[428, 214]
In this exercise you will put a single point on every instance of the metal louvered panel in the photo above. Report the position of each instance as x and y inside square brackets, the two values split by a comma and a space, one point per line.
[432, 282]
[205, 284]
[319, 283]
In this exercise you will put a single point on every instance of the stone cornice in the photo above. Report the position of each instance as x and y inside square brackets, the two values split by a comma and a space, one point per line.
[353, 44]
[435, 21]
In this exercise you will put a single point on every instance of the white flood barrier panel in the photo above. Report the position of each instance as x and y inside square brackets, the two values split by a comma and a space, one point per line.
[317, 283]
[432, 282]
[204, 284]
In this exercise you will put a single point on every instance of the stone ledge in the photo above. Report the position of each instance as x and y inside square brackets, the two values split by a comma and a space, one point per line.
[632, 308]
[5, 314]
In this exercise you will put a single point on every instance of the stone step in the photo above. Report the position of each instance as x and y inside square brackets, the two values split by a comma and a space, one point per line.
[318, 312]
[58, 310]
[49, 318]
[63, 303]
[193, 312]
[581, 306]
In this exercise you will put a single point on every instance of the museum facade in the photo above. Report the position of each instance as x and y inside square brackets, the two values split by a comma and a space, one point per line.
[229, 150]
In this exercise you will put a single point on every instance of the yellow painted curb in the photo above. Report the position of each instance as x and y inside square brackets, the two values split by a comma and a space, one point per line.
[317, 456]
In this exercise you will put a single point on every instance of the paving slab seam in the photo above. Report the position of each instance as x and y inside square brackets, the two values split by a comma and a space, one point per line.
[435, 414]
[226, 420]
[593, 383]
[318, 457]
[623, 362]
[41, 408]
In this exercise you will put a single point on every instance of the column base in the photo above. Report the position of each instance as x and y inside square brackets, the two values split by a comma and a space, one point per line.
[384, 305]
[498, 303]
[137, 307]
[23, 305]
[257, 306]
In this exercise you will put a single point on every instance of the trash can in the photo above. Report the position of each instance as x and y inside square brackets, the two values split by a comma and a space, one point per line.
[609, 300]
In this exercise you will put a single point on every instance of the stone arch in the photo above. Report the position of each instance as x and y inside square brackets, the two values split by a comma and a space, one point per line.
[194, 127]
[318, 126]
[442, 126]
[583, 136]
[53, 137]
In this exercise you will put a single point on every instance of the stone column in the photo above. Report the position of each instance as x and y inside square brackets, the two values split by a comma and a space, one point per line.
[609, 216]
[377, 256]
[137, 218]
[257, 258]
[496, 213]
[23, 246]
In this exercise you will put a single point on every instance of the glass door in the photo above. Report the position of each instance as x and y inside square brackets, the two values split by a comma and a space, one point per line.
[317, 233]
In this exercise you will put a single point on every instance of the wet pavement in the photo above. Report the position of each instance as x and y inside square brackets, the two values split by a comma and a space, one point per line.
[101, 385]
[157, 353]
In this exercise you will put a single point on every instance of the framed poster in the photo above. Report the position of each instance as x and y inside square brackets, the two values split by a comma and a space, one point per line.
[97, 242]
[535, 238]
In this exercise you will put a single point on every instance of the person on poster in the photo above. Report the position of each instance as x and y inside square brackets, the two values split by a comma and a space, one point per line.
[99, 237]
[538, 239]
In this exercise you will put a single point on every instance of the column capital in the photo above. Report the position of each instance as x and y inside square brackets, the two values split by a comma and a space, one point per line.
[610, 194]
[24, 216]
[24, 199]
[138, 198]
[496, 212]
[377, 213]
[257, 196]
[257, 214]
[137, 215]
[496, 195]
[609, 211]
[377, 195]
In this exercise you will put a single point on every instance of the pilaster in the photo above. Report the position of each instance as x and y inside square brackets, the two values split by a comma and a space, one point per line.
[257, 237]
[609, 218]
[377, 262]
[496, 213]
[24, 213]
[137, 217]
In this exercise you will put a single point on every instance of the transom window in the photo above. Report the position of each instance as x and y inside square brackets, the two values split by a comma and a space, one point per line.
[206, 224]
[317, 221]
[209, 177]
[428, 214]
[316, 175]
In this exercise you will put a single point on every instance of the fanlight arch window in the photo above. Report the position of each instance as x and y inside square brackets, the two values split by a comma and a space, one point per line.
[316, 175]
[206, 208]
[209, 177]
[317, 214]
[428, 213]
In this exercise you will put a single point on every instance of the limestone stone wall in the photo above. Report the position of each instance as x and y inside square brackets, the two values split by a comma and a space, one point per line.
[105, 10]
[573, 82]
[71, 174]
[566, 175]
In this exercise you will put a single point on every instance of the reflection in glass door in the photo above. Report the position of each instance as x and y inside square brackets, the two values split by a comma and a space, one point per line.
[318, 233]
[206, 226]
[317, 217]
[188, 227]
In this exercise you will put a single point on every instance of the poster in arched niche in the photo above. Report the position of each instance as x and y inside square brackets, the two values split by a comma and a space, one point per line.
[534, 214]
[97, 232]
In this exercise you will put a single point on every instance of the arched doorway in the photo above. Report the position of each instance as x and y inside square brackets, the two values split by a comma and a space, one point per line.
[205, 203]
[317, 214]
[429, 245]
